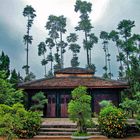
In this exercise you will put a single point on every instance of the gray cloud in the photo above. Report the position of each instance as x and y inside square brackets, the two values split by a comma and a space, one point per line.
[13, 27]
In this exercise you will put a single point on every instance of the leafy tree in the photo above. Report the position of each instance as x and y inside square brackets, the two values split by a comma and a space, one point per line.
[127, 42]
[8, 95]
[28, 12]
[114, 35]
[131, 106]
[39, 100]
[15, 78]
[56, 26]
[4, 64]
[84, 25]
[75, 48]
[79, 108]
[105, 36]
[91, 67]
[50, 44]
[29, 77]
[42, 51]
[93, 40]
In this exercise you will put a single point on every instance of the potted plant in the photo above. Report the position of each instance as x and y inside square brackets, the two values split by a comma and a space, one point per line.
[79, 110]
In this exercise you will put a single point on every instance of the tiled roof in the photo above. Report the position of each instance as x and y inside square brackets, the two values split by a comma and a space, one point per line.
[72, 82]
[71, 70]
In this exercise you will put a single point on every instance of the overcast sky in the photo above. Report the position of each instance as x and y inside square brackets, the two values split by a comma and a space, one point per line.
[105, 15]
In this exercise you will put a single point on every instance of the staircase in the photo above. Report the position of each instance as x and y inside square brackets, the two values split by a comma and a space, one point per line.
[60, 130]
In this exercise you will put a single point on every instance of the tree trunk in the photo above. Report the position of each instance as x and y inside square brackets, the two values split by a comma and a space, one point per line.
[27, 49]
[61, 51]
[45, 66]
[87, 50]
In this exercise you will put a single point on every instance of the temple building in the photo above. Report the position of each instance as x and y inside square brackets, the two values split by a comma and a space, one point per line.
[58, 90]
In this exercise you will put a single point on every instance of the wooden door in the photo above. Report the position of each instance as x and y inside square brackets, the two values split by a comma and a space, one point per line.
[51, 106]
[64, 100]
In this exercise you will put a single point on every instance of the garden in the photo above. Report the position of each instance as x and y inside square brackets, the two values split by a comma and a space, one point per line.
[112, 120]
[18, 122]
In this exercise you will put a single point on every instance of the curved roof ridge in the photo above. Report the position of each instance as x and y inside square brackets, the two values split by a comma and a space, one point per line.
[74, 70]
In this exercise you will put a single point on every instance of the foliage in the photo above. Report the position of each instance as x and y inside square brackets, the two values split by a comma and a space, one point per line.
[42, 51]
[28, 12]
[112, 121]
[79, 108]
[8, 95]
[138, 118]
[91, 67]
[75, 48]
[56, 26]
[84, 25]
[39, 100]
[107, 68]
[5, 64]
[105, 103]
[15, 78]
[128, 56]
[50, 43]
[131, 106]
[15, 121]
[29, 77]
[80, 134]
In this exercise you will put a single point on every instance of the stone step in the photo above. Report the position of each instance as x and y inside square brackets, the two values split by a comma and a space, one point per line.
[64, 133]
[58, 126]
[65, 129]
[57, 129]
[46, 137]
[55, 133]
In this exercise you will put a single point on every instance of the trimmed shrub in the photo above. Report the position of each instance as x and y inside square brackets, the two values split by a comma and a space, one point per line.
[79, 109]
[112, 122]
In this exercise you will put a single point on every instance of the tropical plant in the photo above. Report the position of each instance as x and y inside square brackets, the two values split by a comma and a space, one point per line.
[114, 35]
[42, 51]
[79, 109]
[75, 48]
[56, 26]
[107, 68]
[28, 12]
[50, 44]
[84, 25]
[112, 121]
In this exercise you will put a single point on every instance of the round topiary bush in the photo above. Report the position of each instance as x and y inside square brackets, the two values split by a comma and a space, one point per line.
[112, 122]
